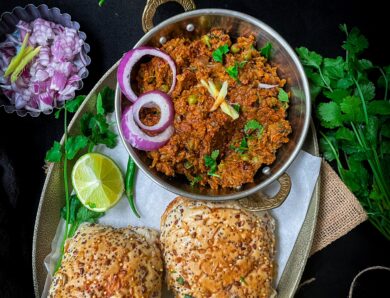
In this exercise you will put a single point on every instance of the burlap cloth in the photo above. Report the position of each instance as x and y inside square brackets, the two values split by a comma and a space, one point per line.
[339, 210]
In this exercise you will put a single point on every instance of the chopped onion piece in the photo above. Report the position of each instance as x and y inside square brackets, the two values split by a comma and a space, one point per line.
[267, 86]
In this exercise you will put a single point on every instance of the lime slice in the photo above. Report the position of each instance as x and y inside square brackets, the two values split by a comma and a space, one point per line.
[98, 181]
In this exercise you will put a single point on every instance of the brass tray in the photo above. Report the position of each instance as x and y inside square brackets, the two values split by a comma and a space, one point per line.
[53, 199]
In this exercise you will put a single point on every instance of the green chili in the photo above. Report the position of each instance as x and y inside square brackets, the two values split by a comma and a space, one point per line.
[129, 185]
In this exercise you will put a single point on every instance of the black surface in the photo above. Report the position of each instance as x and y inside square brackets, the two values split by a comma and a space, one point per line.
[114, 29]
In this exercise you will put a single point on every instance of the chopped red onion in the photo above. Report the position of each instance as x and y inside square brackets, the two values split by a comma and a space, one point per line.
[45, 101]
[53, 75]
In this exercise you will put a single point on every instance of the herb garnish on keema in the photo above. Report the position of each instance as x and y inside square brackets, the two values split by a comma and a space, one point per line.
[211, 162]
[220, 52]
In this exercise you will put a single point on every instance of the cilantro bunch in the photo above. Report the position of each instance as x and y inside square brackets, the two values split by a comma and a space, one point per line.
[351, 99]
[94, 130]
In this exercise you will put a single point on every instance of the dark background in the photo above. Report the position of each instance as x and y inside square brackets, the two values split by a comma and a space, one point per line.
[115, 28]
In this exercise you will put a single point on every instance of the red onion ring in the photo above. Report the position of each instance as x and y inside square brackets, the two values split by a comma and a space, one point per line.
[155, 99]
[137, 138]
[130, 59]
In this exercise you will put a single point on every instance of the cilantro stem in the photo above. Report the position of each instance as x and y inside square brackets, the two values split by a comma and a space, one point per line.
[375, 165]
[66, 189]
[323, 79]
[386, 81]
[90, 147]
[336, 154]
[362, 99]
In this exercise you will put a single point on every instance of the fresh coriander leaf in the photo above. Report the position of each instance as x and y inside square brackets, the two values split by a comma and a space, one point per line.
[74, 104]
[180, 280]
[266, 50]
[99, 105]
[334, 68]
[242, 148]
[330, 114]
[79, 214]
[352, 109]
[309, 58]
[368, 91]
[57, 113]
[218, 53]
[313, 76]
[214, 154]
[54, 154]
[326, 148]
[283, 95]
[356, 178]
[344, 83]
[364, 64]
[211, 162]
[236, 107]
[379, 107]
[97, 130]
[344, 133]
[196, 180]
[352, 148]
[233, 71]
[253, 125]
[337, 95]
[74, 145]
[355, 43]
[188, 296]
[108, 99]
[84, 124]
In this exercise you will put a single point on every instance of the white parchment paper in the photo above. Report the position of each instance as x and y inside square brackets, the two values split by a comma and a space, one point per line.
[151, 201]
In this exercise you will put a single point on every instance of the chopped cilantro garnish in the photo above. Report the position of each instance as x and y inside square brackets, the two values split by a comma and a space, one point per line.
[211, 162]
[196, 180]
[188, 296]
[283, 96]
[266, 50]
[253, 125]
[243, 146]
[218, 53]
[233, 70]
